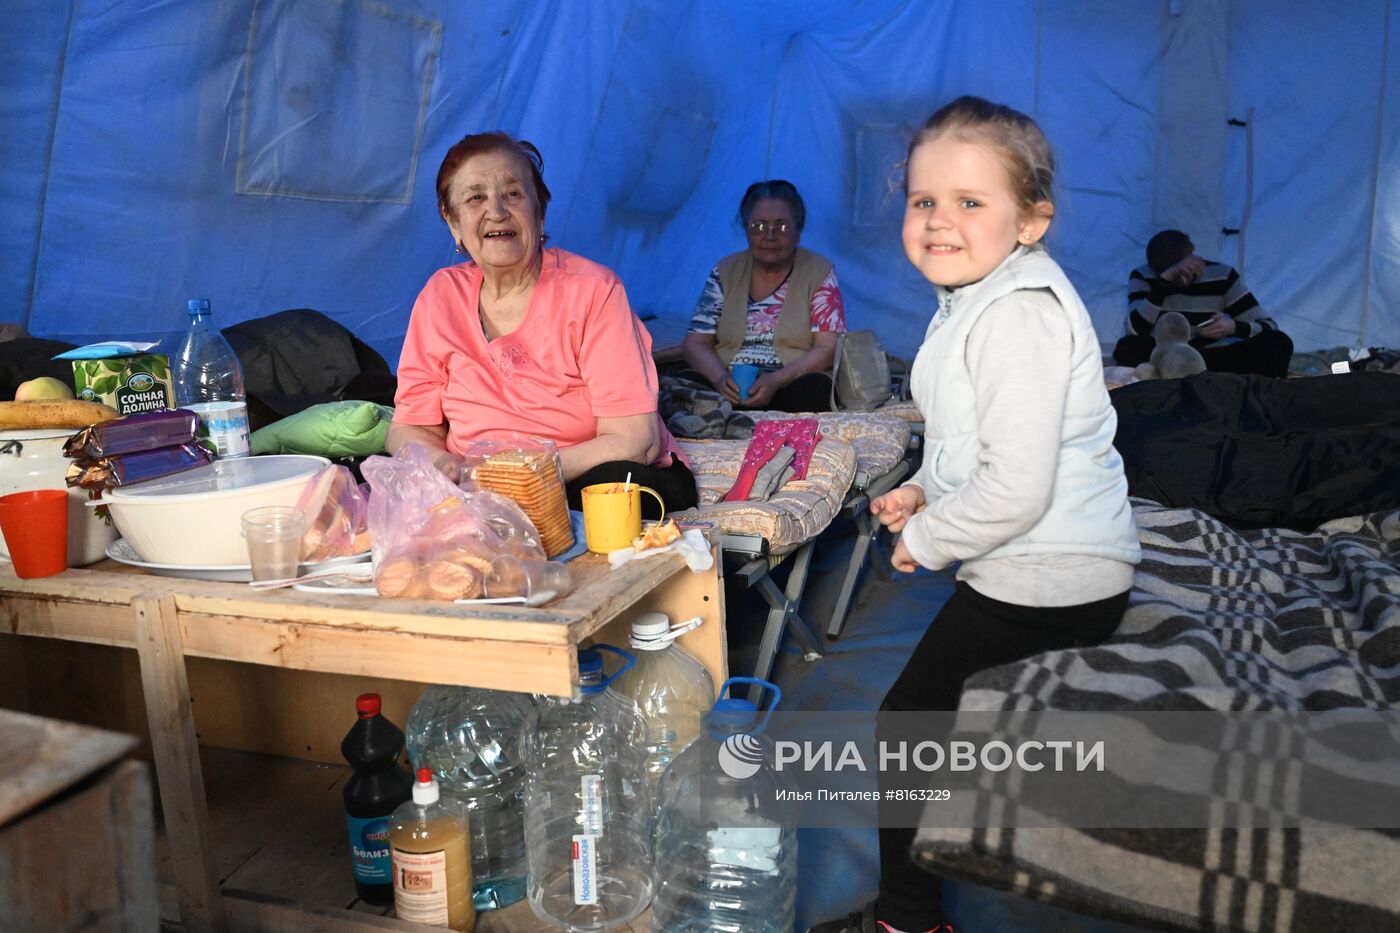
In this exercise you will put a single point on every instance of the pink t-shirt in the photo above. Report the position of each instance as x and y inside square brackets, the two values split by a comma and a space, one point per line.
[579, 355]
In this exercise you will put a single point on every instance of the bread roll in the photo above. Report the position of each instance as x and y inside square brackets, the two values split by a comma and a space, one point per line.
[53, 413]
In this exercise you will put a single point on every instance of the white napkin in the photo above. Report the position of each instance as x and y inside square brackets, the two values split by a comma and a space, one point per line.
[691, 545]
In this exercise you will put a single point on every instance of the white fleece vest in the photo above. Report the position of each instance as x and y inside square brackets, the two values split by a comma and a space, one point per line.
[1089, 511]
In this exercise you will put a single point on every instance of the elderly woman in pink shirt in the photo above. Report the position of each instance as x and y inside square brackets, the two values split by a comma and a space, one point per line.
[528, 339]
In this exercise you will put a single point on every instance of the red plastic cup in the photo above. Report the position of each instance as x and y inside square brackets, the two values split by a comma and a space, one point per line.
[35, 525]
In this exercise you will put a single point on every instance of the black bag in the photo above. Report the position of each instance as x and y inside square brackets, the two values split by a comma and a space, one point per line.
[295, 359]
[1256, 452]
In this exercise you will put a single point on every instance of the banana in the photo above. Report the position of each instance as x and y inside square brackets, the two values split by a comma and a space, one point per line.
[53, 413]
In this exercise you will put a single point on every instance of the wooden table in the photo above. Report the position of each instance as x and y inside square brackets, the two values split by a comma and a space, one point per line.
[76, 835]
[169, 620]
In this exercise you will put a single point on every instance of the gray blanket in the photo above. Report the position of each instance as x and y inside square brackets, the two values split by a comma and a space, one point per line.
[1221, 620]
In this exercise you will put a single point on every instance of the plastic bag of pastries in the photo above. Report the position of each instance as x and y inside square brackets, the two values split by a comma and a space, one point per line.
[337, 516]
[432, 539]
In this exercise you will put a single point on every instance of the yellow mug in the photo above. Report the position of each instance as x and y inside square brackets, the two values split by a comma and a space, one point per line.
[612, 517]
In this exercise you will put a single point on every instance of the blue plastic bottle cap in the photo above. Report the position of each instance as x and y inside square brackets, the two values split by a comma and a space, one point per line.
[590, 670]
[733, 714]
[198, 305]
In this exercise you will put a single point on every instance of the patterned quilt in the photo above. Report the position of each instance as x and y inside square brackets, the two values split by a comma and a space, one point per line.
[1222, 620]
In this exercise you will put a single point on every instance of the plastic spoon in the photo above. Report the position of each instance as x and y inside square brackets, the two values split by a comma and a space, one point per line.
[363, 571]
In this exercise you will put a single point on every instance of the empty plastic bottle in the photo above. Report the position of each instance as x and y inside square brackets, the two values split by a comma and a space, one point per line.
[470, 738]
[209, 381]
[371, 794]
[586, 808]
[672, 690]
[726, 856]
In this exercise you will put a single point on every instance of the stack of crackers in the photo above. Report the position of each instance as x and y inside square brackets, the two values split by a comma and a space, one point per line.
[531, 478]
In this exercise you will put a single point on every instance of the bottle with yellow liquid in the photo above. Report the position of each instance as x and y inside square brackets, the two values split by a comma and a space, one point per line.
[432, 859]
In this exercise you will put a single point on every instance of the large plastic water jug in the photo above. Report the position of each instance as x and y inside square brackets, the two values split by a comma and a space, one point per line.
[672, 690]
[586, 805]
[726, 855]
[470, 738]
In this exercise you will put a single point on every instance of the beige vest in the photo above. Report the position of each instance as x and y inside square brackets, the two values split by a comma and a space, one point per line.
[792, 334]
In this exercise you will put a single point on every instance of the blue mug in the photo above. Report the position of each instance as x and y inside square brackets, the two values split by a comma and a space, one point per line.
[744, 375]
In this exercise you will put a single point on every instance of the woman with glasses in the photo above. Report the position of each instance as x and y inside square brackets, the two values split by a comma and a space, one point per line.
[774, 306]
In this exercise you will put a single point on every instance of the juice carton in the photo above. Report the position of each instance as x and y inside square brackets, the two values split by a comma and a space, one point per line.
[122, 376]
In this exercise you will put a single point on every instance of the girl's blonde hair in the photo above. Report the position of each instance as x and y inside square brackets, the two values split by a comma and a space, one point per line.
[1015, 138]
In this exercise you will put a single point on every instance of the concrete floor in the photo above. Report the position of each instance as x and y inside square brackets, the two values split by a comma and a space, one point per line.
[838, 869]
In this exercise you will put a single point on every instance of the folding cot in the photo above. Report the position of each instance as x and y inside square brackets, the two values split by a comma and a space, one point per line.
[860, 455]
[882, 442]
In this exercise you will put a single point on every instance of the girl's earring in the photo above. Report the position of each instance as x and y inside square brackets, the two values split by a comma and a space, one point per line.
[458, 248]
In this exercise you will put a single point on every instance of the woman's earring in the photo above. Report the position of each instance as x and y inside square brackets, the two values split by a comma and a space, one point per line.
[458, 248]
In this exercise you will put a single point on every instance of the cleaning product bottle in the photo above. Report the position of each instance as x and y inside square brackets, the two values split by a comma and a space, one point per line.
[432, 859]
[586, 837]
[470, 737]
[371, 794]
[726, 846]
[672, 690]
[209, 381]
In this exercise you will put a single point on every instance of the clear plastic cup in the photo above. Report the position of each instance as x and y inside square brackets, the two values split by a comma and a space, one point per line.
[539, 581]
[273, 534]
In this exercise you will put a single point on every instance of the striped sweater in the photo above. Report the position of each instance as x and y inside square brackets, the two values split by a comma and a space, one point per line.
[1219, 288]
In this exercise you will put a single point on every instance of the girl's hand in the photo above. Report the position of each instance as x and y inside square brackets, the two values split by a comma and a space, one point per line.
[901, 560]
[895, 507]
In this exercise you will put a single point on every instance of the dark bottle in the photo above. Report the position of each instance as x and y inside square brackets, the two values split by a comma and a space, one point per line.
[374, 790]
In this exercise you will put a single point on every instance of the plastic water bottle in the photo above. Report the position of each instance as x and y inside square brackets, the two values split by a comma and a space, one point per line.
[586, 811]
[470, 738]
[726, 859]
[376, 788]
[672, 690]
[209, 381]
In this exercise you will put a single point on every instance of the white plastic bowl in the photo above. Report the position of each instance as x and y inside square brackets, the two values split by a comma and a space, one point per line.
[193, 519]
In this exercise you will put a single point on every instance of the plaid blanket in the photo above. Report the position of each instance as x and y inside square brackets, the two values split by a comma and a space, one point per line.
[695, 410]
[1221, 620]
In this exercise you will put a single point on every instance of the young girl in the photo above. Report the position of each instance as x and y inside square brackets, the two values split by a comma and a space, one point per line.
[1020, 481]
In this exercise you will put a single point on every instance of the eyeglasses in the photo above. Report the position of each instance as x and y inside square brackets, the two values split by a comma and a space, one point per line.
[760, 227]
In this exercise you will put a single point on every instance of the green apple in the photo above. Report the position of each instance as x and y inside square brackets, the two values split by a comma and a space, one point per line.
[42, 389]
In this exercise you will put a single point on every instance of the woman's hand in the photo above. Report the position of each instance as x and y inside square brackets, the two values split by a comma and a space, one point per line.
[727, 387]
[433, 438]
[762, 391]
[901, 559]
[895, 507]
[448, 464]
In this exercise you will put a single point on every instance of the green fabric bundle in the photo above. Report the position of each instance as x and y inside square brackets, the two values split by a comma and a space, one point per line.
[334, 429]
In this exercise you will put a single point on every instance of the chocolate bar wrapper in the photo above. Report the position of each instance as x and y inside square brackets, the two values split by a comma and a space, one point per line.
[126, 469]
[151, 430]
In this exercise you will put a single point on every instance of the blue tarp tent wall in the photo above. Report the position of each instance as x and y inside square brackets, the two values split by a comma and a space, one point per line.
[273, 154]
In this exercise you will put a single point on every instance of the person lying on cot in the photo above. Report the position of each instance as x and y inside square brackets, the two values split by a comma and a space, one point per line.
[1228, 326]
[774, 305]
[529, 339]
